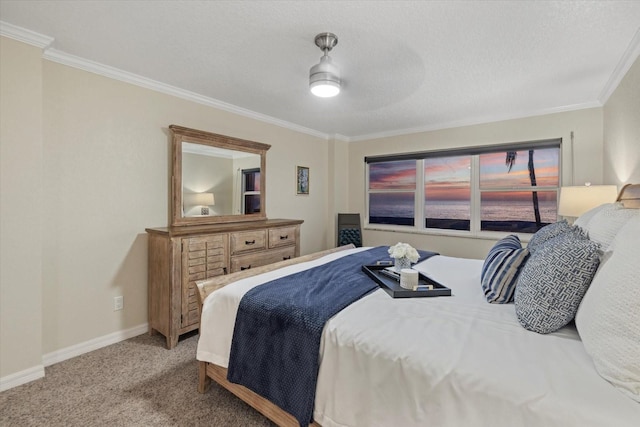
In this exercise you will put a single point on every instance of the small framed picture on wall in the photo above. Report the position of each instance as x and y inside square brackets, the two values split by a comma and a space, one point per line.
[302, 180]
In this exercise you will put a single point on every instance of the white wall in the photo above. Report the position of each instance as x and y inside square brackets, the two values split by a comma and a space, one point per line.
[587, 127]
[622, 130]
[21, 211]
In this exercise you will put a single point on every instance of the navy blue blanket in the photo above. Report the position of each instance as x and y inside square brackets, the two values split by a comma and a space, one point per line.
[276, 340]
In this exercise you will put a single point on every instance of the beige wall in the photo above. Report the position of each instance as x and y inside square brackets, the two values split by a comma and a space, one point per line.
[210, 174]
[338, 185]
[85, 168]
[252, 162]
[622, 131]
[21, 209]
[106, 179]
[586, 125]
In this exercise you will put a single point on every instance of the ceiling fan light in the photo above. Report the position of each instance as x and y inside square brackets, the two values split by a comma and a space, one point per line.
[324, 78]
[325, 88]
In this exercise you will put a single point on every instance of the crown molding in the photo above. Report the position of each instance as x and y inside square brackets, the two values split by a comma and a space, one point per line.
[477, 121]
[26, 36]
[45, 42]
[64, 58]
[341, 138]
[626, 61]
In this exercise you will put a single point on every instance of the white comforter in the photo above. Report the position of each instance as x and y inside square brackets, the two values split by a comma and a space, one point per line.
[448, 361]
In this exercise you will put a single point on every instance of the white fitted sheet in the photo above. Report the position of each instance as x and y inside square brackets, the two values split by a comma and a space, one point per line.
[448, 361]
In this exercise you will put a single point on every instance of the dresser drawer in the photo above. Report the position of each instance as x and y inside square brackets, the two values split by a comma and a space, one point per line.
[244, 262]
[282, 236]
[248, 241]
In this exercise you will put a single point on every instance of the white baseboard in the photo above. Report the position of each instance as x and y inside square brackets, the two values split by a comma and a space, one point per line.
[36, 372]
[22, 377]
[94, 344]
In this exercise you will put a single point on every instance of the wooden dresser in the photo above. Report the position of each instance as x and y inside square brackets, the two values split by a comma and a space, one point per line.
[179, 256]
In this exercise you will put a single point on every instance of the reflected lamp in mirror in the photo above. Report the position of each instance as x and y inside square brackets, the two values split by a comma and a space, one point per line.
[208, 162]
[576, 200]
[200, 199]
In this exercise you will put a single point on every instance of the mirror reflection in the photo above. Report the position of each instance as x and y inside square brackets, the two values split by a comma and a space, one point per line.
[216, 178]
[218, 181]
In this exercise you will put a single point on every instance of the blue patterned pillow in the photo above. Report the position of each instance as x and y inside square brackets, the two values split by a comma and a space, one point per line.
[547, 233]
[501, 268]
[554, 280]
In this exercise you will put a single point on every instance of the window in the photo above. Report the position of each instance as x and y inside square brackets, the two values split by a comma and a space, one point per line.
[509, 188]
[251, 191]
[447, 192]
[518, 189]
[392, 192]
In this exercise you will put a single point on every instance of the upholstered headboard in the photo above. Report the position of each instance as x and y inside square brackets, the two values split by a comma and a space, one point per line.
[630, 196]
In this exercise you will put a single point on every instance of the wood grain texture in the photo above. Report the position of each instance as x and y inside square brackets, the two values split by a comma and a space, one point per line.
[180, 134]
[258, 259]
[205, 287]
[181, 256]
[210, 371]
[259, 403]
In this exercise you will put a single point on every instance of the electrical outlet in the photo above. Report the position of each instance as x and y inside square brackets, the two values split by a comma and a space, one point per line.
[118, 303]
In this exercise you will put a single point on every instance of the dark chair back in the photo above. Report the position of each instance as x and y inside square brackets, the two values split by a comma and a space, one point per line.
[349, 229]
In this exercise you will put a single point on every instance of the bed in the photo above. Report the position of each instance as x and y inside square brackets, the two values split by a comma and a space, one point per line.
[454, 361]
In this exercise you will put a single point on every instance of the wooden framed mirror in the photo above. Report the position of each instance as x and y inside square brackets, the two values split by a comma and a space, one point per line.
[216, 178]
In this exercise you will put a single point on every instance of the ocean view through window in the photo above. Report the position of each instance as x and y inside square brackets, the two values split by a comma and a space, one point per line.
[508, 188]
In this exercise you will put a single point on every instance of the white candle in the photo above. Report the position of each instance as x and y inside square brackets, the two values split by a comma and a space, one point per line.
[408, 278]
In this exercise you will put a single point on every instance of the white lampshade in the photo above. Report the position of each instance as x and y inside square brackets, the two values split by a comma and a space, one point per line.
[576, 200]
[324, 78]
[199, 199]
[325, 89]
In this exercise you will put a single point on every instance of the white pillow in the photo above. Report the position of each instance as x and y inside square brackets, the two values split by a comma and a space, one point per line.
[608, 319]
[583, 220]
[606, 223]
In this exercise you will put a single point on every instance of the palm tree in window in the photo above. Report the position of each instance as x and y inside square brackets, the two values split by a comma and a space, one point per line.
[510, 161]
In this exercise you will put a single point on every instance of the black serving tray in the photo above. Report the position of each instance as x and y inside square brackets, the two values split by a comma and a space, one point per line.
[393, 288]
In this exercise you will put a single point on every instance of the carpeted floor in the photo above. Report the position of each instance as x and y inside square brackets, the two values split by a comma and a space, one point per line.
[137, 382]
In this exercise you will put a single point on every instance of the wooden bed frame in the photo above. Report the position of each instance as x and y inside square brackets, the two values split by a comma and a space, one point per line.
[629, 195]
[209, 371]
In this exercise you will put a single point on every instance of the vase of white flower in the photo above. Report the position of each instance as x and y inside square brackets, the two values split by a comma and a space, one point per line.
[401, 263]
[403, 255]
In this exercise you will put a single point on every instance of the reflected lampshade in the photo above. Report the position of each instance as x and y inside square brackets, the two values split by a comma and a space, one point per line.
[199, 199]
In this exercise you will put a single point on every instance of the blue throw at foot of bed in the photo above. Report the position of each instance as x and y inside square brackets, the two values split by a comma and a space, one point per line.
[276, 340]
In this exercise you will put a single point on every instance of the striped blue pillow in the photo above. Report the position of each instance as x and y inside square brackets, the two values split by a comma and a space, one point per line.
[501, 268]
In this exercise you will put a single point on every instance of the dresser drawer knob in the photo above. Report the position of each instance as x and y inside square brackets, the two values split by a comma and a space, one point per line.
[250, 242]
[245, 268]
[285, 237]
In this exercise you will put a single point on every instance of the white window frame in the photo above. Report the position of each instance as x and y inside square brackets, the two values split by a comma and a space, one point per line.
[475, 193]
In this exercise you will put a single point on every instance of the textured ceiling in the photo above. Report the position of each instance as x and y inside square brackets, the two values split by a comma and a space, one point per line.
[406, 65]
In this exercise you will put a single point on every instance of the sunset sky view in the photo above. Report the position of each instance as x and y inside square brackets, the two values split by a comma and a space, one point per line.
[448, 178]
